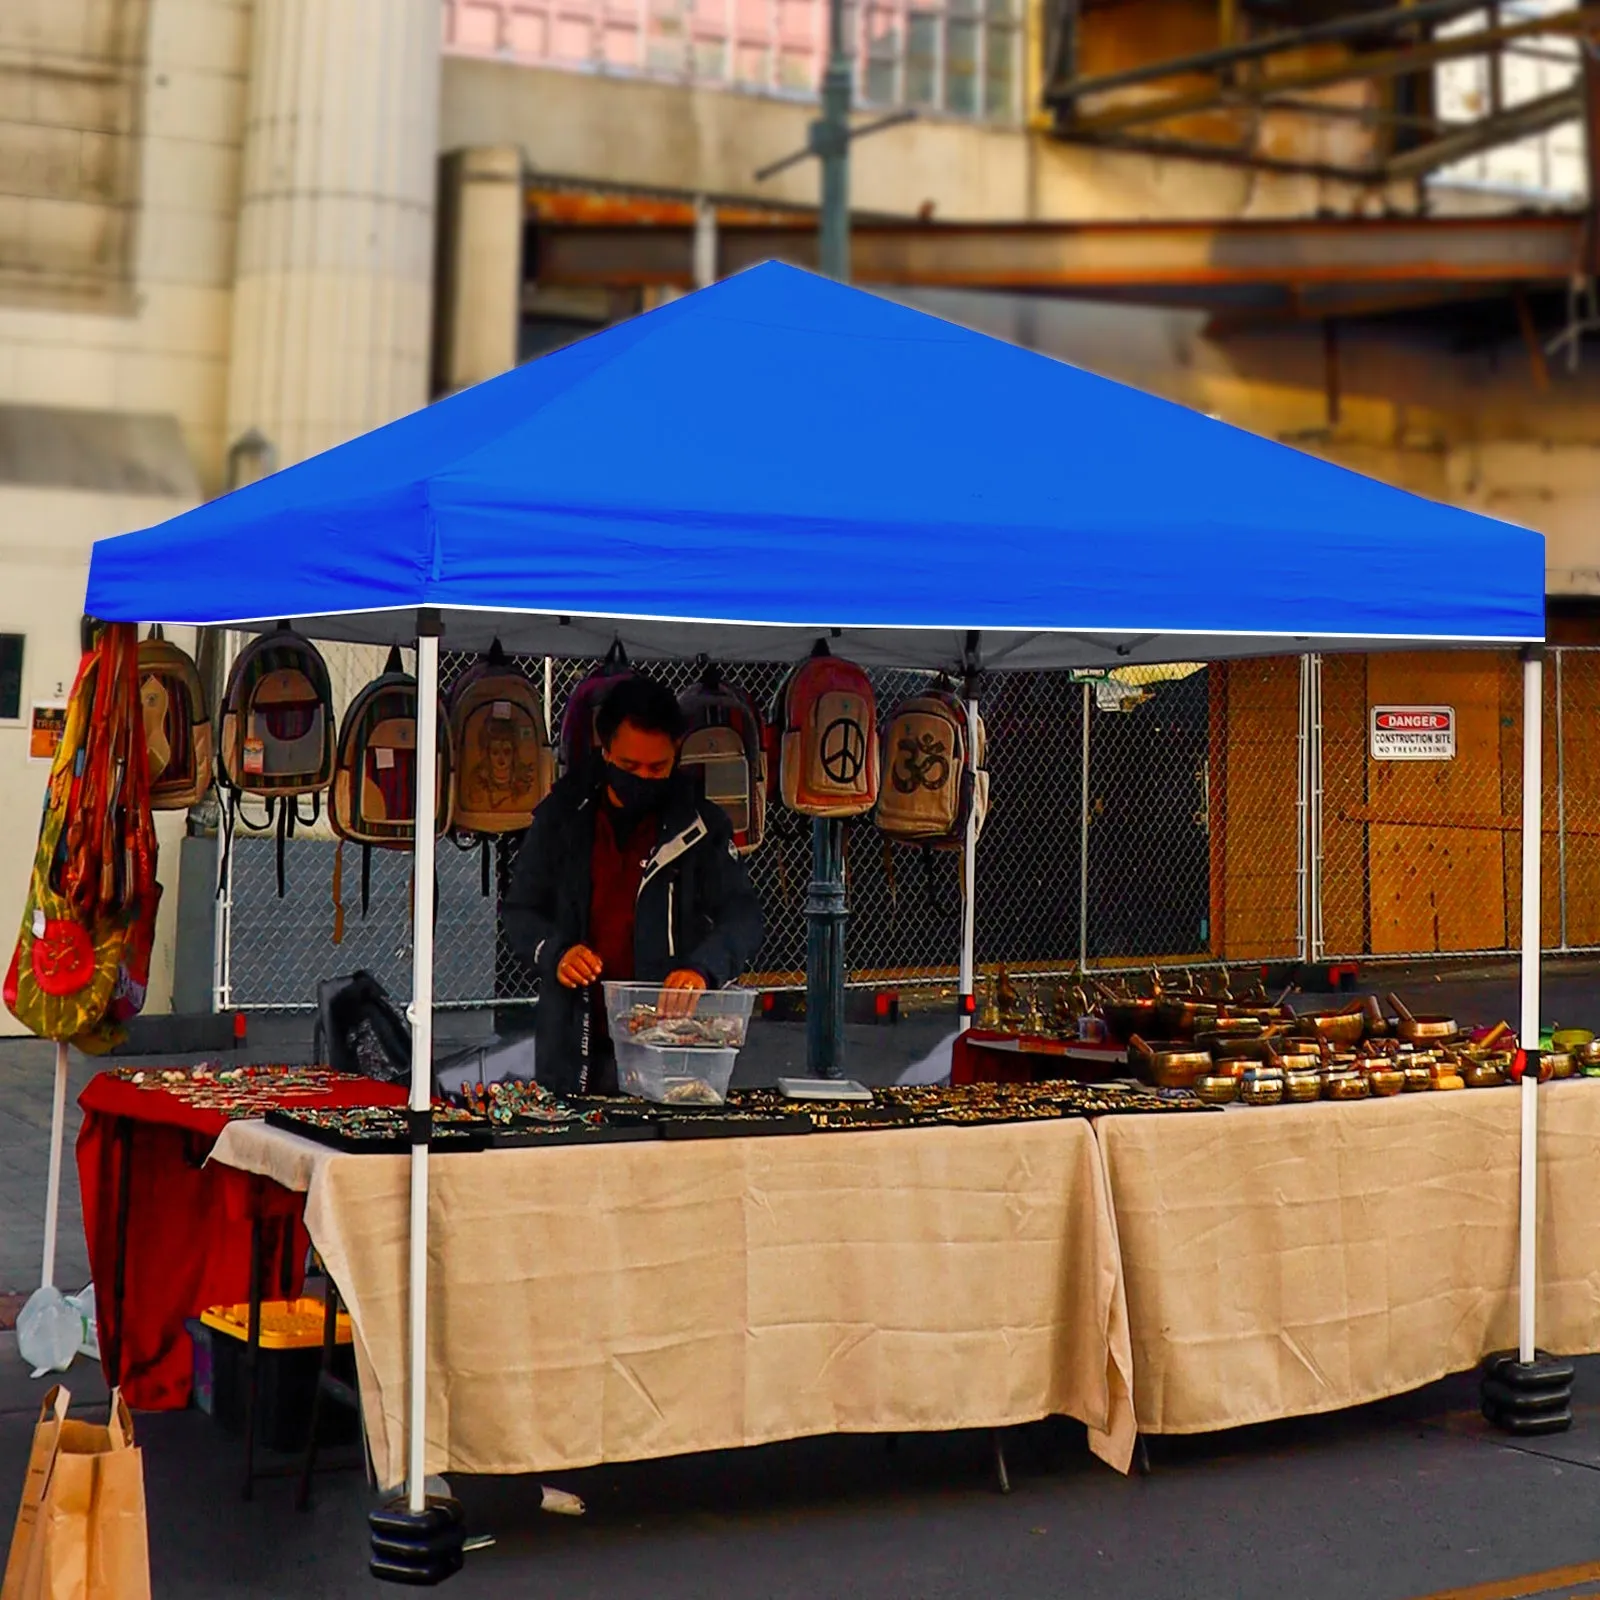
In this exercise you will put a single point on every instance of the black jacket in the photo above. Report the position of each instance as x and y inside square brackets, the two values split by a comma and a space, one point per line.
[696, 910]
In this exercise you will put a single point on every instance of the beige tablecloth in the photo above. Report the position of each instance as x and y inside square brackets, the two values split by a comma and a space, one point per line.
[633, 1300]
[1304, 1258]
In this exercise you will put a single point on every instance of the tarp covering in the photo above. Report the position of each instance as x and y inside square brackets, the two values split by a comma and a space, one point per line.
[782, 452]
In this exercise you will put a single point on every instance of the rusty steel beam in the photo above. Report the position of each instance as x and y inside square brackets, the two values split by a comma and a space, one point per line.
[1120, 259]
[1521, 122]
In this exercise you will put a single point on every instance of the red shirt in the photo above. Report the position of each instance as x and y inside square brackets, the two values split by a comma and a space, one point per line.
[615, 870]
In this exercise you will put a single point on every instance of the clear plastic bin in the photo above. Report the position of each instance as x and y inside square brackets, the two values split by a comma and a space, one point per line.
[677, 1060]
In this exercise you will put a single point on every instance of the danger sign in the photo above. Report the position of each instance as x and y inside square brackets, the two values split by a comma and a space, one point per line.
[1413, 733]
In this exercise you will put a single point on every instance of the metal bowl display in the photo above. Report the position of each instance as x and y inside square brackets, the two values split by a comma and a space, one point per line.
[1345, 1086]
[1169, 1064]
[1302, 1085]
[1385, 1081]
[1263, 1088]
[1337, 1027]
[1217, 1091]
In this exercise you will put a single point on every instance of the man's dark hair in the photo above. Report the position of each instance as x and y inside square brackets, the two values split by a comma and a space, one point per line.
[645, 702]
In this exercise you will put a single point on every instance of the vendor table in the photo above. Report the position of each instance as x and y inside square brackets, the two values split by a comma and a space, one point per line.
[1294, 1259]
[169, 1235]
[625, 1301]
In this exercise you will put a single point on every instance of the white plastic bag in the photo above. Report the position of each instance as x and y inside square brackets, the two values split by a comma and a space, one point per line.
[83, 1303]
[49, 1331]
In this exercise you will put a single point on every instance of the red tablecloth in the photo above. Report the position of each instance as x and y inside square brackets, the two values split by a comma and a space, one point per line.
[188, 1225]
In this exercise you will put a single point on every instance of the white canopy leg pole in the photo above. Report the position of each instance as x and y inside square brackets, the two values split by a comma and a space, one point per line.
[422, 1053]
[969, 886]
[1528, 1032]
[52, 1197]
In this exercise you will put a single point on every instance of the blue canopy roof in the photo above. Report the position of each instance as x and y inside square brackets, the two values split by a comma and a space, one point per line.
[781, 455]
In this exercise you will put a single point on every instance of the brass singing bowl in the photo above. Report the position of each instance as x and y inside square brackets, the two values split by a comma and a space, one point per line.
[1263, 1091]
[1337, 1027]
[1385, 1081]
[1482, 1075]
[1217, 1091]
[1170, 1065]
[1570, 1039]
[1345, 1086]
[1302, 1086]
[1417, 1078]
[1559, 1062]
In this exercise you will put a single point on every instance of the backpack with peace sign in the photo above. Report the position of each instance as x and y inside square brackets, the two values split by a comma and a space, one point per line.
[826, 719]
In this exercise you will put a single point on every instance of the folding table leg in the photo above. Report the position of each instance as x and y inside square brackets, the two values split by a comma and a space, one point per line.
[252, 1351]
[330, 1332]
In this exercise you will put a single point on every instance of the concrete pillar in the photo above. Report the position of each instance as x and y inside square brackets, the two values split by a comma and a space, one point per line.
[480, 280]
[333, 284]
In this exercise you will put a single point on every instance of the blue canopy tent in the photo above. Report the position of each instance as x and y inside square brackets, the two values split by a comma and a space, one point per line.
[781, 457]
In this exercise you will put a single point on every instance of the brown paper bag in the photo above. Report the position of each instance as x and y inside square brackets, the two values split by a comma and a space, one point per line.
[80, 1532]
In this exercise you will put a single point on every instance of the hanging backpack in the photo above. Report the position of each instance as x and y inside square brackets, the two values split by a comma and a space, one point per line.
[579, 740]
[373, 800]
[826, 720]
[724, 752]
[502, 748]
[82, 960]
[933, 780]
[177, 725]
[277, 736]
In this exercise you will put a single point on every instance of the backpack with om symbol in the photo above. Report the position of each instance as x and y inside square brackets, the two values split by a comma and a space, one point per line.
[933, 776]
[826, 727]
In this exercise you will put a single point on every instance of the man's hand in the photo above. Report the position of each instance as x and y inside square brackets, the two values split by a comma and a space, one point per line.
[678, 993]
[578, 967]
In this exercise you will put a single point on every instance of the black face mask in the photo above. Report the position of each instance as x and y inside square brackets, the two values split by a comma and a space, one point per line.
[636, 795]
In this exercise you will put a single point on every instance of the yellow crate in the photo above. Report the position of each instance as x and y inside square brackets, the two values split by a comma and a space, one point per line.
[285, 1324]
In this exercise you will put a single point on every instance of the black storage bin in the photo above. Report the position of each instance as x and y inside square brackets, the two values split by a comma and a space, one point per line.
[285, 1385]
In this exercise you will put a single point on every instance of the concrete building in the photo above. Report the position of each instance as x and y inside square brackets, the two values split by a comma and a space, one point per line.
[234, 232]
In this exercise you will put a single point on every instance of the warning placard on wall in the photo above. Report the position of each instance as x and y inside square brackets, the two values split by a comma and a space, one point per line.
[1413, 733]
[45, 728]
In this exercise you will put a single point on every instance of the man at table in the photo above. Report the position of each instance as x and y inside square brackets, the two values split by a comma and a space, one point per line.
[626, 873]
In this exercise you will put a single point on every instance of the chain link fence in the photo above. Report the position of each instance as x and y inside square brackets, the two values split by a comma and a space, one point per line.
[1130, 825]
[1234, 813]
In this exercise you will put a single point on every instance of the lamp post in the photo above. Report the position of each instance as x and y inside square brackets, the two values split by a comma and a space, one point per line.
[830, 144]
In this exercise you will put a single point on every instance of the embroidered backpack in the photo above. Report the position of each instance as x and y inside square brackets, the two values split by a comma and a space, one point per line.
[503, 761]
[177, 725]
[374, 795]
[579, 739]
[724, 751]
[825, 727]
[933, 777]
[277, 736]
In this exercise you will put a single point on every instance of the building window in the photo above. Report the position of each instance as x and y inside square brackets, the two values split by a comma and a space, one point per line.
[960, 58]
[1546, 166]
[10, 677]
